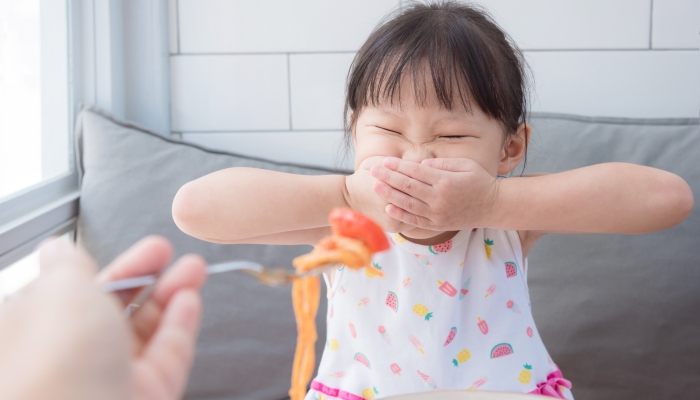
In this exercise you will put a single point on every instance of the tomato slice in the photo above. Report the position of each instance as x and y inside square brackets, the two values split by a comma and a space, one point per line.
[350, 223]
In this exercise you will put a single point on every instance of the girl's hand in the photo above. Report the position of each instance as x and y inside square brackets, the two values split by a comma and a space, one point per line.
[440, 194]
[360, 196]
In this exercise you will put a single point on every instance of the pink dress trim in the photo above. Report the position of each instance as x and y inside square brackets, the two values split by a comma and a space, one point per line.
[341, 394]
[551, 387]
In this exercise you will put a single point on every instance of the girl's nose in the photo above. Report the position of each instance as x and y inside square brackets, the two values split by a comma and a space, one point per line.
[417, 154]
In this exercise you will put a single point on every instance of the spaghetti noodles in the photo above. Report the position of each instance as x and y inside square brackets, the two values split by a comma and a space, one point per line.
[354, 239]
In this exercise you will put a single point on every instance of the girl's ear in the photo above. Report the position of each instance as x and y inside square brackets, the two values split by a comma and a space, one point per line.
[514, 149]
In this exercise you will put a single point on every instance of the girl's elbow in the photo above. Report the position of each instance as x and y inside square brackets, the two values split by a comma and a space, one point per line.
[187, 209]
[681, 201]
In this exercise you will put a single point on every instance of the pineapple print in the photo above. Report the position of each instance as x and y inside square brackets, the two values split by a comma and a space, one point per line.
[422, 311]
[462, 357]
[487, 244]
[374, 270]
[369, 393]
[333, 344]
[525, 375]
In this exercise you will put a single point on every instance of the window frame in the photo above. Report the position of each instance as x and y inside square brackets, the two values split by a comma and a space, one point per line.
[95, 75]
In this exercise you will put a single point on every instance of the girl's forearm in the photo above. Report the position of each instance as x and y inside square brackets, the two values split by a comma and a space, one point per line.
[603, 198]
[239, 203]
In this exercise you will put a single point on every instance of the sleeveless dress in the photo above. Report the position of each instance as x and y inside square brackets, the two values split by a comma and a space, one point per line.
[453, 316]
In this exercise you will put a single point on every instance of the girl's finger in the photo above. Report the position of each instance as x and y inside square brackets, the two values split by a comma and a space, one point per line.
[406, 184]
[400, 199]
[421, 172]
[407, 217]
[450, 164]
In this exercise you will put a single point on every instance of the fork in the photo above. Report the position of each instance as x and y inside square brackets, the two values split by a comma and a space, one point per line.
[274, 277]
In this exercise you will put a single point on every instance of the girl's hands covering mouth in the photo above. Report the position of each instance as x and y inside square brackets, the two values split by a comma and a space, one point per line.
[440, 194]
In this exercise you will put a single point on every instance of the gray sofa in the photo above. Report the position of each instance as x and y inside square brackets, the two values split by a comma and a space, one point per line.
[619, 314]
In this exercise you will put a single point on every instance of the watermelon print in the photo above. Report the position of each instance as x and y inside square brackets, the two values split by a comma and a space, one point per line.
[441, 248]
[451, 336]
[392, 301]
[359, 357]
[501, 350]
[511, 270]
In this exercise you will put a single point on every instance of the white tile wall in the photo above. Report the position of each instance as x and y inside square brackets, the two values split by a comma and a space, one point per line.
[574, 24]
[589, 57]
[676, 24]
[324, 149]
[318, 88]
[224, 93]
[644, 84]
[235, 26]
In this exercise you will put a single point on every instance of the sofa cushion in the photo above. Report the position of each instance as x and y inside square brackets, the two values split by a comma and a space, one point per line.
[619, 313]
[129, 179]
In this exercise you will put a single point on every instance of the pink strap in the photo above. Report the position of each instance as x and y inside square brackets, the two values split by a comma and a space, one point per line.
[341, 394]
[552, 386]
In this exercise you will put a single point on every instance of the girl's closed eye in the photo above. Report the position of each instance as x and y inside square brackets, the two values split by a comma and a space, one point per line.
[387, 129]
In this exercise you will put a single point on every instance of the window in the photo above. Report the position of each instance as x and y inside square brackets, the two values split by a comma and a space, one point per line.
[34, 127]
[38, 183]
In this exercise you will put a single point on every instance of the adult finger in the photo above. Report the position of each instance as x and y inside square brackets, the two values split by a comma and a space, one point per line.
[168, 356]
[400, 199]
[60, 253]
[449, 164]
[148, 256]
[399, 181]
[188, 272]
[407, 217]
[419, 171]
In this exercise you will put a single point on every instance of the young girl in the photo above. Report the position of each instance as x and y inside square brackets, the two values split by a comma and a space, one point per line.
[436, 110]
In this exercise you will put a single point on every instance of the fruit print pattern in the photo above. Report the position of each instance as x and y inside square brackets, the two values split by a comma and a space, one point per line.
[359, 357]
[422, 311]
[392, 301]
[373, 272]
[441, 248]
[487, 245]
[462, 357]
[501, 350]
[525, 374]
[450, 336]
[376, 350]
[369, 393]
[511, 269]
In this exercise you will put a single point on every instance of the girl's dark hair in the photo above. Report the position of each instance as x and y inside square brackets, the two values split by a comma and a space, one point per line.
[457, 47]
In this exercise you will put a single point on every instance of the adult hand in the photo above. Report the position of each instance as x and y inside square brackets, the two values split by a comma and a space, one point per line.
[441, 194]
[63, 338]
[361, 197]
